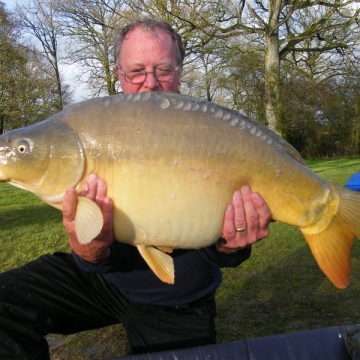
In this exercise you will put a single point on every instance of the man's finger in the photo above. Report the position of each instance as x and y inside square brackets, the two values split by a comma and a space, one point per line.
[101, 191]
[239, 221]
[107, 211]
[252, 216]
[263, 211]
[90, 187]
[228, 224]
[69, 205]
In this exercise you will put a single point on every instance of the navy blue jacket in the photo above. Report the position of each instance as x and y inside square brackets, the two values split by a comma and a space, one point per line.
[197, 274]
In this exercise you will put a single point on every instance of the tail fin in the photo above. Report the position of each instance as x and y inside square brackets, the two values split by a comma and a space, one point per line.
[332, 246]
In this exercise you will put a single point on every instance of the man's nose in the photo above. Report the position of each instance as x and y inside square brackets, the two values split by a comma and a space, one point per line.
[151, 81]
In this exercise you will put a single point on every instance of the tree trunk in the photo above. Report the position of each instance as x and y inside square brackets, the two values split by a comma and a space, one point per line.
[272, 66]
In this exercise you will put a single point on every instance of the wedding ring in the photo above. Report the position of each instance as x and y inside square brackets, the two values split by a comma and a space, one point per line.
[240, 229]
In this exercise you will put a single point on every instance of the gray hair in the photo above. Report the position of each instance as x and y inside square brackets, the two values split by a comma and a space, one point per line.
[152, 26]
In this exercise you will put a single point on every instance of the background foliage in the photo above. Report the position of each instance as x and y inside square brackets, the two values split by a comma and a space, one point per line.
[293, 65]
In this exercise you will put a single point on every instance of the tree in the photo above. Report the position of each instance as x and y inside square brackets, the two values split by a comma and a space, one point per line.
[92, 27]
[27, 93]
[40, 19]
[279, 27]
[11, 63]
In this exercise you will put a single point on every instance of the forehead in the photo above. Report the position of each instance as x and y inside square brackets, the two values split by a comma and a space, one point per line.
[140, 46]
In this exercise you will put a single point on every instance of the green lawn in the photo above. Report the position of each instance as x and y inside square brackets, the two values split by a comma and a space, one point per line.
[280, 289]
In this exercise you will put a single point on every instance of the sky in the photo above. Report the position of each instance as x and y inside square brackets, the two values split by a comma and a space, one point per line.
[9, 3]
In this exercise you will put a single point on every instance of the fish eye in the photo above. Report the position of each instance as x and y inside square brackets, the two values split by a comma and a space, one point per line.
[23, 146]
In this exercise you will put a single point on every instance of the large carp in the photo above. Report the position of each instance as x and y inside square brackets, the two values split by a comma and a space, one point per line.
[172, 163]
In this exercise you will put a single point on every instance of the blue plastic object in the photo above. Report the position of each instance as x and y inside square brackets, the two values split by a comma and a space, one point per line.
[354, 182]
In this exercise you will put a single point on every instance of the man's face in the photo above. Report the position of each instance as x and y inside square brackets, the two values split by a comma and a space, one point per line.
[143, 51]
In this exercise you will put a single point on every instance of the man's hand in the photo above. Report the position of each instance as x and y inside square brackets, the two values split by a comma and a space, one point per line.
[99, 249]
[246, 221]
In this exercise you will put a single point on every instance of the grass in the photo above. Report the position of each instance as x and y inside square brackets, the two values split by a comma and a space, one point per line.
[280, 289]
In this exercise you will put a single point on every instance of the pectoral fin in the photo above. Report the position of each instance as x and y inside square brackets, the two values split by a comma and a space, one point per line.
[159, 262]
[88, 220]
[165, 249]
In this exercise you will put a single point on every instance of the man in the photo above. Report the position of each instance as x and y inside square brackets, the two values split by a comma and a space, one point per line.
[107, 282]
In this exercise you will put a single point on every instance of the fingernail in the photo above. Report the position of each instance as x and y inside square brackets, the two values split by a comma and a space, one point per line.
[71, 191]
[246, 189]
[107, 201]
[101, 184]
[92, 177]
[229, 209]
[256, 196]
[237, 197]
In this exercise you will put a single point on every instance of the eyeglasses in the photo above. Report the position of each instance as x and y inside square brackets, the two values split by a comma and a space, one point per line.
[138, 76]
